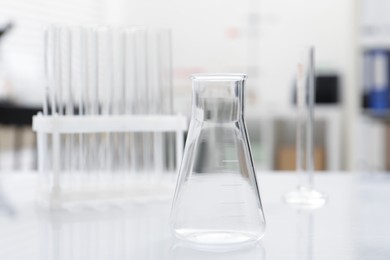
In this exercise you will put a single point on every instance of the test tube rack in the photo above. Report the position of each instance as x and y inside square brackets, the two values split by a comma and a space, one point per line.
[107, 126]
[68, 185]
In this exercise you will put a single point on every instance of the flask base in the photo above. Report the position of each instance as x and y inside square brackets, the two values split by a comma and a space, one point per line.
[305, 198]
[209, 239]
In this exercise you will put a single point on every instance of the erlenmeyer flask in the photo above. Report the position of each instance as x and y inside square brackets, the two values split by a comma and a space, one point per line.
[217, 201]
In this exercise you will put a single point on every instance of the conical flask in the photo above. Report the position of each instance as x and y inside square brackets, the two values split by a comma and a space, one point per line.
[217, 201]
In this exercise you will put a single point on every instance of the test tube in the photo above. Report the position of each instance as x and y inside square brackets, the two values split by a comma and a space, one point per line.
[78, 84]
[130, 92]
[57, 106]
[167, 94]
[119, 99]
[142, 140]
[154, 97]
[66, 78]
[104, 63]
[49, 103]
[92, 106]
[166, 71]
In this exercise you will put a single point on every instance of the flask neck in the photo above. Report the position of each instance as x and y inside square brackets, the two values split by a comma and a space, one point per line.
[218, 98]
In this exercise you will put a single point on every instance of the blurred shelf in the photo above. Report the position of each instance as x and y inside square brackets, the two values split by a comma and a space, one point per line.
[289, 112]
[383, 116]
[375, 41]
[17, 114]
[17, 117]
[266, 142]
[376, 44]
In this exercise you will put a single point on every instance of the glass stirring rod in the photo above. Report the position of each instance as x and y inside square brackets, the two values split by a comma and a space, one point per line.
[305, 196]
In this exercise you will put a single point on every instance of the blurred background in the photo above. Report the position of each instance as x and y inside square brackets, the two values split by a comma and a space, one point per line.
[258, 37]
[89, 202]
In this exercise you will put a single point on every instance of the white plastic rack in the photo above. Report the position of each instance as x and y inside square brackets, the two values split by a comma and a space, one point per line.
[66, 157]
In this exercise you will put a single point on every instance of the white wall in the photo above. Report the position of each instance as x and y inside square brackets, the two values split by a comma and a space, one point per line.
[214, 36]
[325, 24]
[22, 49]
[201, 40]
[208, 36]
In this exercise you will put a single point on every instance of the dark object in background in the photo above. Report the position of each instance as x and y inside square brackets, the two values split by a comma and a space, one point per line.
[365, 101]
[18, 117]
[327, 90]
[5, 29]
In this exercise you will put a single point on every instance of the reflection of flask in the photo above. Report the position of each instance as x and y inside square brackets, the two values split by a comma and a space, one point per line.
[182, 252]
[217, 201]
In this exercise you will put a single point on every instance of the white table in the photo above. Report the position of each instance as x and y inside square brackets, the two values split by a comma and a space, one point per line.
[355, 224]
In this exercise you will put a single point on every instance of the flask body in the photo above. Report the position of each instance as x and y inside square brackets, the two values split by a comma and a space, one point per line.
[217, 200]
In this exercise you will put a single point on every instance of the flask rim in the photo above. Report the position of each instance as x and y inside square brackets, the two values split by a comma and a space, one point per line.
[218, 76]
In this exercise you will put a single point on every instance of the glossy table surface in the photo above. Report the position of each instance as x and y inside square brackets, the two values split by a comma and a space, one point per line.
[354, 224]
